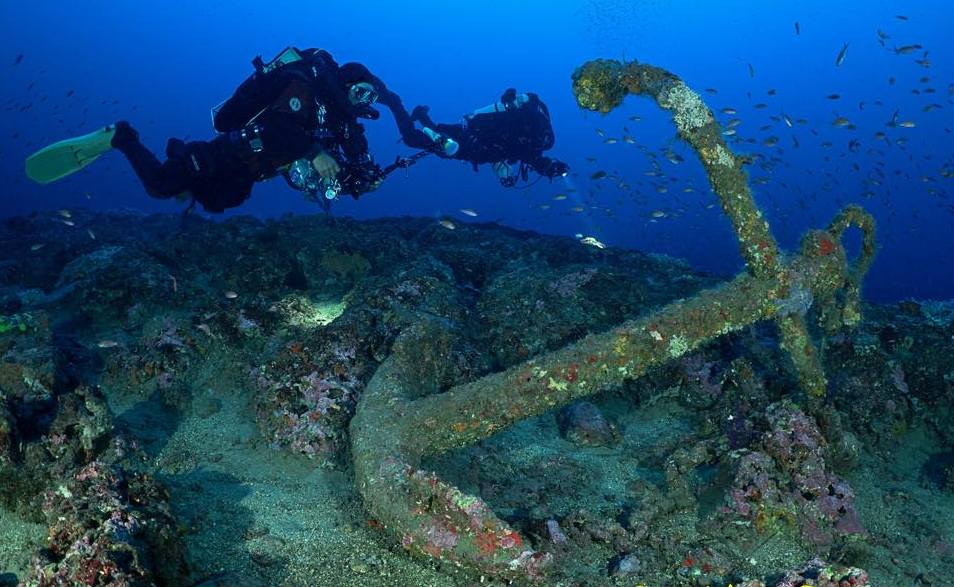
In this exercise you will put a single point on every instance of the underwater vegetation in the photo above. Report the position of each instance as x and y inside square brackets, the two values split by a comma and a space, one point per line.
[487, 405]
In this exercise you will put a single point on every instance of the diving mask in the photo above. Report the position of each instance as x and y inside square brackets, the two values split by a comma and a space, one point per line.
[363, 93]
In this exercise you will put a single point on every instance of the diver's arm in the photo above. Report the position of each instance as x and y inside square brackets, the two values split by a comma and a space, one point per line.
[411, 135]
[539, 163]
[547, 166]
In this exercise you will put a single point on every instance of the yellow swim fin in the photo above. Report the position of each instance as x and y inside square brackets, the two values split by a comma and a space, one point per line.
[68, 156]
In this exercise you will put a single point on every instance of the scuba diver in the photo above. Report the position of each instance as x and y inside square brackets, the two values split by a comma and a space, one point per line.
[296, 115]
[511, 134]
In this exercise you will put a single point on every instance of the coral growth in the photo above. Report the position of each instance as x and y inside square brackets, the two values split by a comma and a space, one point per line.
[788, 482]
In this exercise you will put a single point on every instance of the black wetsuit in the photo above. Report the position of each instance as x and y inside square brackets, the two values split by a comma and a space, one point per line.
[273, 119]
[520, 134]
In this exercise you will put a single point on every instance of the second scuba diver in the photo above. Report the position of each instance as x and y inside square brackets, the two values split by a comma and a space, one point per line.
[511, 134]
[296, 115]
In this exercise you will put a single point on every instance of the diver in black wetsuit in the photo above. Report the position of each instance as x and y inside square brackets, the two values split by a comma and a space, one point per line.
[301, 107]
[511, 134]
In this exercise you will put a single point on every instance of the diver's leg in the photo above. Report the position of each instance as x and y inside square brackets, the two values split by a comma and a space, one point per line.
[161, 180]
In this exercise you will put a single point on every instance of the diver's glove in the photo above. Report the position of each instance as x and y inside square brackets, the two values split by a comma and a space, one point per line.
[556, 169]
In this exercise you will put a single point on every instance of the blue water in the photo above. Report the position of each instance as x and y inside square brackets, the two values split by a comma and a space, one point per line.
[161, 65]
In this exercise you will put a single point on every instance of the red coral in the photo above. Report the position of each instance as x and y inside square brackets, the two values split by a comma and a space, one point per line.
[826, 246]
[571, 373]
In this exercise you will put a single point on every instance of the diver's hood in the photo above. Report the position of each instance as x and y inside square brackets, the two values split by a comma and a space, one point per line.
[352, 73]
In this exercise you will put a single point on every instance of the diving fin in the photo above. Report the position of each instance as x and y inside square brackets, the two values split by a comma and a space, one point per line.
[68, 156]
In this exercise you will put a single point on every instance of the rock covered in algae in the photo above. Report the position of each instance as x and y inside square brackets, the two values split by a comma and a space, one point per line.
[308, 336]
[585, 425]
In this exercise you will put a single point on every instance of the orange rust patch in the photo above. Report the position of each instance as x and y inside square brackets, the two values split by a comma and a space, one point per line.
[486, 542]
[511, 540]
[826, 246]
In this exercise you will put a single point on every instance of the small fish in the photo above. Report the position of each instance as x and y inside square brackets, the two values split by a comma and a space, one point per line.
[559, 197]
[761, 106]
[37, 247]
[107, 344]
[798, 28]
[598, 175]
[629, 140]
[770, 142]
[593, 242]
[610, 141]
[577, 208]
[841, 55]
[230, 295]
[658, 214]
[712, 91]
[841, 121]
[468, 212]
[674, 158]
[68, 222]
[90, 233]
[833, 96]
[635, 118]
[18, 60]
[751, 70]
[787, 120]
[907, 49]
[448, 224]
[729, 111]
[901, 17]
[906, 124]
[600, 133]
[64, 213]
